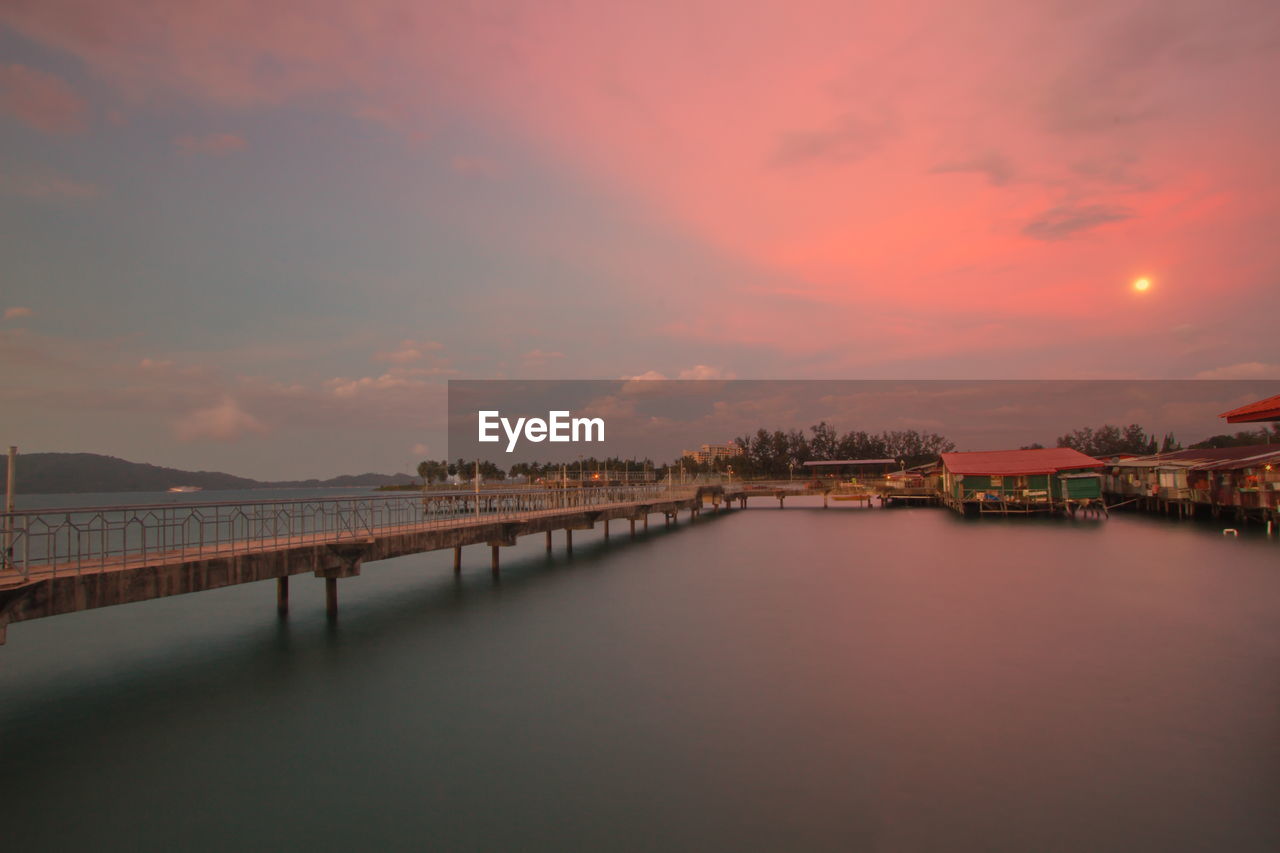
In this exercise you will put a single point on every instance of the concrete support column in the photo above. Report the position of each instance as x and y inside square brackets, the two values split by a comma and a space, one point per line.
[457, 559]
[331, 597]
[282, 595]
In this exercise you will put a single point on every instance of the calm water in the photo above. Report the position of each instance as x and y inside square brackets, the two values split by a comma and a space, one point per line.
[763, 680]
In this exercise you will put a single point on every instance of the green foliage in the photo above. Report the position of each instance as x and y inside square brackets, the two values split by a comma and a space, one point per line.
[1108, 440]
[1242, 439]
[781, 454]
[432, 471]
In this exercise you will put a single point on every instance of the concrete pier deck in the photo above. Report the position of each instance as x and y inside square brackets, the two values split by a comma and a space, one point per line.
[110, 570]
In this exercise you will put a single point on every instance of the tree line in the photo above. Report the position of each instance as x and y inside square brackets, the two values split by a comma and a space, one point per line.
[780, 454]
[1109, 440]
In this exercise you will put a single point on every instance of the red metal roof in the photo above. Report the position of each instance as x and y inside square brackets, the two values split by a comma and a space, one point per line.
[1263, 410]
[1047, 460]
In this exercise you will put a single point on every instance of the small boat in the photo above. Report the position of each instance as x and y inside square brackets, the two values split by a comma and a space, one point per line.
[185, 489]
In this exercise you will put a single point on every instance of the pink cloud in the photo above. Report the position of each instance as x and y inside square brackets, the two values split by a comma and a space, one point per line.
[224, 421]
[17, 312]
[850, 166]
[704, 371]
[216, 144]
[409, 351]
[41, 100]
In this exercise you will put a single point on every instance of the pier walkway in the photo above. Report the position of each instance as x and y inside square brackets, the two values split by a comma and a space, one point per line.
[59, 561]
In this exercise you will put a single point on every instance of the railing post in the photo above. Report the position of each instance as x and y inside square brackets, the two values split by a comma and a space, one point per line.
[9, 480]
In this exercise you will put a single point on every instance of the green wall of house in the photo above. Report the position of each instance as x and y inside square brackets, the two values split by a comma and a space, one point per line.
[1084, 487]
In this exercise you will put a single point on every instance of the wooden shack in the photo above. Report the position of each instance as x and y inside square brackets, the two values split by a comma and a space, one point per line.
[1043, 480]
[1199, 481]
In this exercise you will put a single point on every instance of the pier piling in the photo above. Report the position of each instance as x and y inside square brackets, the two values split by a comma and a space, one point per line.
[331, 597]
[282, 595]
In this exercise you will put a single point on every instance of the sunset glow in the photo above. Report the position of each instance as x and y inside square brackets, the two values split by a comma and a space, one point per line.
[225, 223]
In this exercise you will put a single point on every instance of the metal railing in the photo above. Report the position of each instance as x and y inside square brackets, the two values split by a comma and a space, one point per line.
[1020, 496]
[93, 538]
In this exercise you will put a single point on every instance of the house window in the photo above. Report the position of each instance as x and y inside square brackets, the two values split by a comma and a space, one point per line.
[997, 482]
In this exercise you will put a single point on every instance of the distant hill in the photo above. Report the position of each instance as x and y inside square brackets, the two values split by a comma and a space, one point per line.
[52, 473]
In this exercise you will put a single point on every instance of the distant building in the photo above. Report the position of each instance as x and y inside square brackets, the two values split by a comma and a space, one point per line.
[712, 452]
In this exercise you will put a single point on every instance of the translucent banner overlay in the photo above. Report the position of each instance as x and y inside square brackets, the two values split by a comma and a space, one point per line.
[662, 420]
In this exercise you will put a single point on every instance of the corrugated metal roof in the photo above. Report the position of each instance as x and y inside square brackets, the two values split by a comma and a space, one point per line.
[1047, 460]
[853, 462]
[1263, 410]
[1202, 456]
[1255, 461]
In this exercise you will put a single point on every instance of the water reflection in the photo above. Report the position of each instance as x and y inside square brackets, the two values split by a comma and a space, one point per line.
[794, 679]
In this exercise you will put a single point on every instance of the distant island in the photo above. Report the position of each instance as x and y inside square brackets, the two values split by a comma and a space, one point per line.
[71, 473]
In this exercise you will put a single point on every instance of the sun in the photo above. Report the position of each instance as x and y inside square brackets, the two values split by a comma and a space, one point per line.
[1142, 284]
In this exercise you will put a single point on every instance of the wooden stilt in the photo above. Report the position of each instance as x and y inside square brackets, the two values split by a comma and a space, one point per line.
[331, 597]
[457, 559]
[493, 560]
[282, 595]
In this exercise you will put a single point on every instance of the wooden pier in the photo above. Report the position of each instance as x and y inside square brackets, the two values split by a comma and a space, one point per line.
[64, 561]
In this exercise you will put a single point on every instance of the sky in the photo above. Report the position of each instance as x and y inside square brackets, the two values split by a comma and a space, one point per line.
[260, 238]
